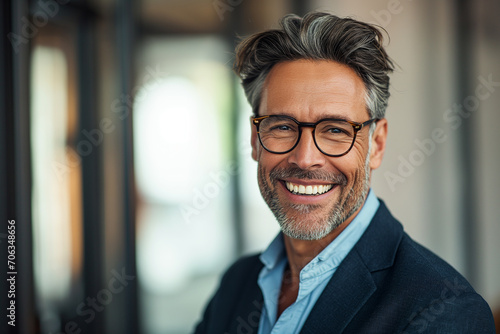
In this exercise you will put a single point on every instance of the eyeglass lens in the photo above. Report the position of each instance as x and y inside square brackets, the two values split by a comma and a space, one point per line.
[280, 134]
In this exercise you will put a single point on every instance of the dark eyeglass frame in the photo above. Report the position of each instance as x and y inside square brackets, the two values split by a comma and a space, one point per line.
[355, 126]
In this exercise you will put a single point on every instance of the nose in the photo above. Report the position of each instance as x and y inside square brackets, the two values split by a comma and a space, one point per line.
[306, 154]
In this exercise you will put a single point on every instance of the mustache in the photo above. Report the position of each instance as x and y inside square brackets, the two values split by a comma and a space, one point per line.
[299, 173]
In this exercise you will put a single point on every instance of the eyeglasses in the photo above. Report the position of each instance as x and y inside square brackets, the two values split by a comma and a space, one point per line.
[280, 134]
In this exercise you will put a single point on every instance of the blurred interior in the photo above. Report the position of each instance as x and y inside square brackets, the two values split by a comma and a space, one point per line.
[127, 167]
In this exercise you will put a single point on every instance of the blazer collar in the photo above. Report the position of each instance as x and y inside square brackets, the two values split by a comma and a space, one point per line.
[352, 284]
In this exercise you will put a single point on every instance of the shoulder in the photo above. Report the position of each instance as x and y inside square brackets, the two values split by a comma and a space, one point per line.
[238, 288]
[442, 298]
[427, 270]
[422, 260]
[385, 245]
[243, 268]
[240, 278]
[416, 285]
[244, 264]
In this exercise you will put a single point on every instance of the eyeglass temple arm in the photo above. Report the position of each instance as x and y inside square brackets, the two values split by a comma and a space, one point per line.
[358, 126]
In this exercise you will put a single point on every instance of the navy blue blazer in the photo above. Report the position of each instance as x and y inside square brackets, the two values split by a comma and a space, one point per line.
[388, 283]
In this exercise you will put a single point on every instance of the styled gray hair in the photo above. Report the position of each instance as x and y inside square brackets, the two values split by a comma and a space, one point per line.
[318, 36]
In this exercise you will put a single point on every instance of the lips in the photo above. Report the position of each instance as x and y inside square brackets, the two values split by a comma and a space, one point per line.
[299, 189]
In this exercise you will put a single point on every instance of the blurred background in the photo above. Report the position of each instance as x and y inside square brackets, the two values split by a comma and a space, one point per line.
[126, 159]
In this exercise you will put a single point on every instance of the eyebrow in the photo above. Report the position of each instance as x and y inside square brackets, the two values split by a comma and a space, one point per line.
[318, 118]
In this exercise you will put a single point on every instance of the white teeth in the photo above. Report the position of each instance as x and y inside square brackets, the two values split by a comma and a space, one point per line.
[308, 190]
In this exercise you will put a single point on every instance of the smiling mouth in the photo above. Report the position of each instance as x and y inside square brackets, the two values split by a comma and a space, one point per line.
[311, 190]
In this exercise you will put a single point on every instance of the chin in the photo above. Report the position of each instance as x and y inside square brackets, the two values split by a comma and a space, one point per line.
[313, 227]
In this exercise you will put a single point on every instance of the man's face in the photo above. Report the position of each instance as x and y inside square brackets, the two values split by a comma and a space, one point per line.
[310, 91]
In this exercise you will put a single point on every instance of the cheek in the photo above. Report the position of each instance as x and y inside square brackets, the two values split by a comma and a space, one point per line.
[359, 150]
[359, 153]
[350, 164]
[269, 160]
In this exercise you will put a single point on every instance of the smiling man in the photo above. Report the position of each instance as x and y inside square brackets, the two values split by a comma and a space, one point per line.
[319, 88]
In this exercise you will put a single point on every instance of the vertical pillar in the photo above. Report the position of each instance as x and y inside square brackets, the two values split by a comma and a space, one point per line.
[15, 165]
[91, 165]
[465, 81]
[125, 30]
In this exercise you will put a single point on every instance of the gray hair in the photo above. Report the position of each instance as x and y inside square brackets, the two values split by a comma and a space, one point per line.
[318, 36]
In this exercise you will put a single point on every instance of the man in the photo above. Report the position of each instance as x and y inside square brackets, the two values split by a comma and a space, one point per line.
[342, 264]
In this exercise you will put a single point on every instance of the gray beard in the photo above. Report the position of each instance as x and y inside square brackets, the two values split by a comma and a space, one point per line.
[349, 201]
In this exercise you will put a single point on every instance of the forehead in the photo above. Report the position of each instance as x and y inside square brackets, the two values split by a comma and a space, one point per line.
[310, 90]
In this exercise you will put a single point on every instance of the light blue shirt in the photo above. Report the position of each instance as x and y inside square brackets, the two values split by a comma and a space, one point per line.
[313, 277]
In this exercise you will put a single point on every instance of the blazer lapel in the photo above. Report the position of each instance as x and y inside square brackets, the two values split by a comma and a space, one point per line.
[347, 291]
[352, 284]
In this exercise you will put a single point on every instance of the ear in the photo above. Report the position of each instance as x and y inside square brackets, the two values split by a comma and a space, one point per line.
[254, 140]
[379, 140]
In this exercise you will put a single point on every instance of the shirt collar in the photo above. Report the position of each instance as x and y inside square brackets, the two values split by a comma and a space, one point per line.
[274, 252]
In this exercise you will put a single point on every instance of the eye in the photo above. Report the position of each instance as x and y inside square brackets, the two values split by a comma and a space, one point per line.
[281, 127]
[333, 130]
